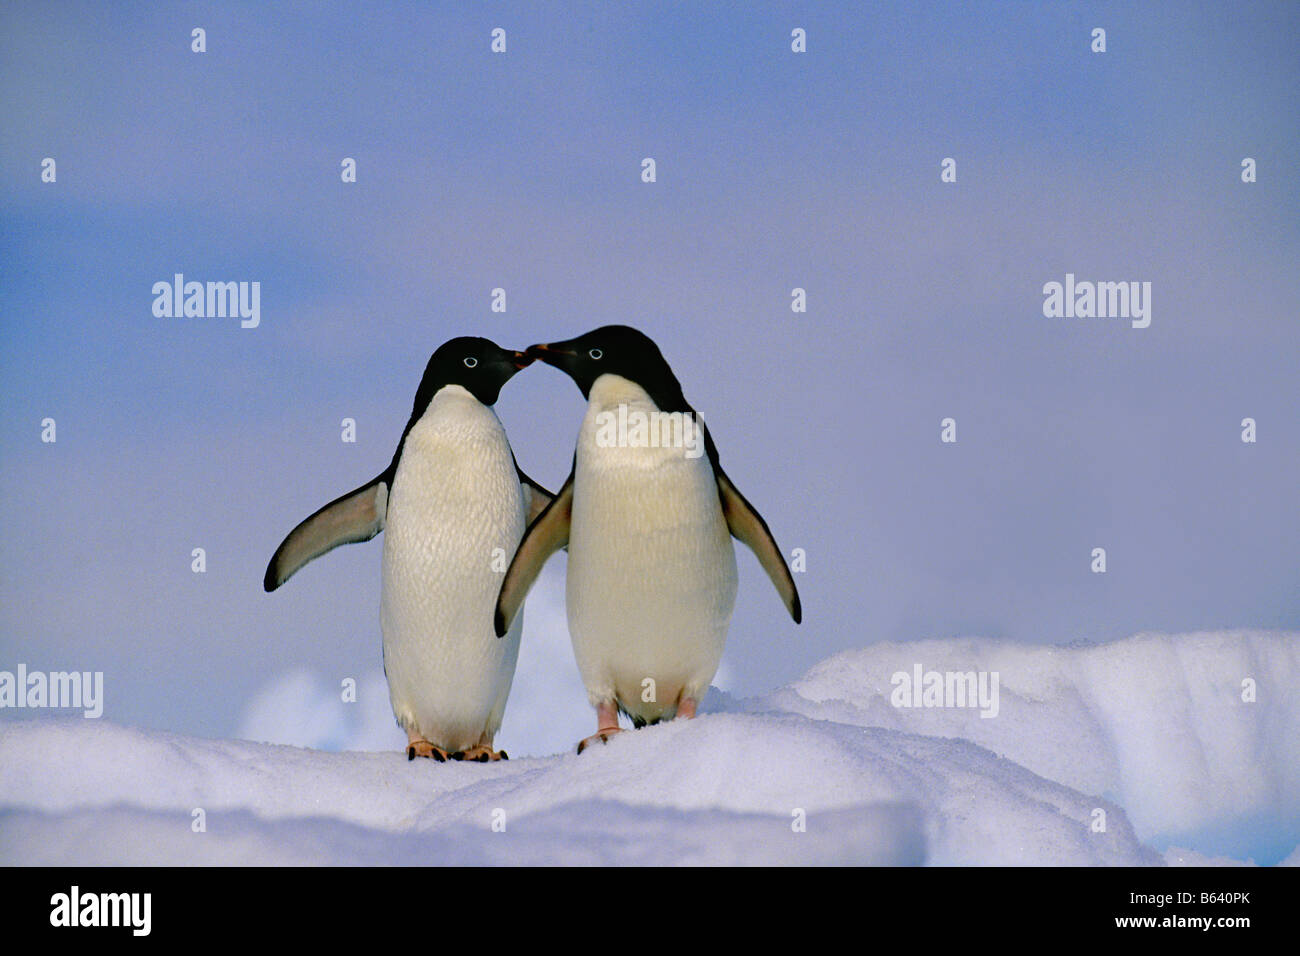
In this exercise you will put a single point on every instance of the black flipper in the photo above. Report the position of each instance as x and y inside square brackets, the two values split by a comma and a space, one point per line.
[747, 525]
[357, 516]
[536, 498]
[546, 535]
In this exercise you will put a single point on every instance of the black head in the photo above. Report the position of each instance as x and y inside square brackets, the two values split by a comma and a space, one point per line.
[478, 365]
[615, 350]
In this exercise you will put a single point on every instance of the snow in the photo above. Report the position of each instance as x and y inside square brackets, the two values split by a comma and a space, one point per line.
[1181, 856]
[1155, 722]
[1151, 731]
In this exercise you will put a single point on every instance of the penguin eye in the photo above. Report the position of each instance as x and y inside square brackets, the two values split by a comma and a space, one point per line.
[470, 361]
[597, 354]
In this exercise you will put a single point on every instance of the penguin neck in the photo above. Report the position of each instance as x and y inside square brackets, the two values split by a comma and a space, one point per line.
[456, 407]
[618, 396]
[610, 391]
[452, 396]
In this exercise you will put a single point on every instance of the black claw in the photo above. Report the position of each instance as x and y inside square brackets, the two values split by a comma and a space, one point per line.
[482, 758]
[458, 755]
[504, 755]
[410, 753]
[437, 755]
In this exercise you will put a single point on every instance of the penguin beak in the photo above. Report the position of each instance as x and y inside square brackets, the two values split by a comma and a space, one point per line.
[567, 359]
[549, 354]
[521, 360]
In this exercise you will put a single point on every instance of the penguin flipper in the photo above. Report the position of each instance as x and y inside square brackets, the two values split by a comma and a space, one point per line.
[548, 534]
[747, 525]
[536, 498]
[357, 516]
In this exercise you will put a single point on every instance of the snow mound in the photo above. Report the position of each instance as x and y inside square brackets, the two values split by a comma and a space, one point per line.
[725, 788]
[1157, 723]
[824, 771]
[594, 833]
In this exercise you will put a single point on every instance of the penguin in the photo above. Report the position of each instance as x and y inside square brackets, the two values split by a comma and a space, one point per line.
[647, 516]
[454, 505]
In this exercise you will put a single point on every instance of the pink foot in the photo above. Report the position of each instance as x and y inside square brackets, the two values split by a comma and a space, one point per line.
[606, 724]
[417, 746]
[481, 753]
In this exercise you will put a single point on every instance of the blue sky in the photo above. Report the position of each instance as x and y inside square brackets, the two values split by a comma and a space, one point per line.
[775, 170]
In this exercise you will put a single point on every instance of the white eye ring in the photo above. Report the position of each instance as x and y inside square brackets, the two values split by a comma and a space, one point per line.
[470, 362]
[597, 354]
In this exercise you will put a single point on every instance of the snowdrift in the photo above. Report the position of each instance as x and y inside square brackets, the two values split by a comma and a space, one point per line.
[1157, 723]
[1149, 735]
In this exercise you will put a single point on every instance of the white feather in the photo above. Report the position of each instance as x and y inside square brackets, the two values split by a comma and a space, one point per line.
[455, 499]
[652, 572]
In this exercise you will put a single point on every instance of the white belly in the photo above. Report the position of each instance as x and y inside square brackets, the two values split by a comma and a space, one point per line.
[652, 572]
[455, 500]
